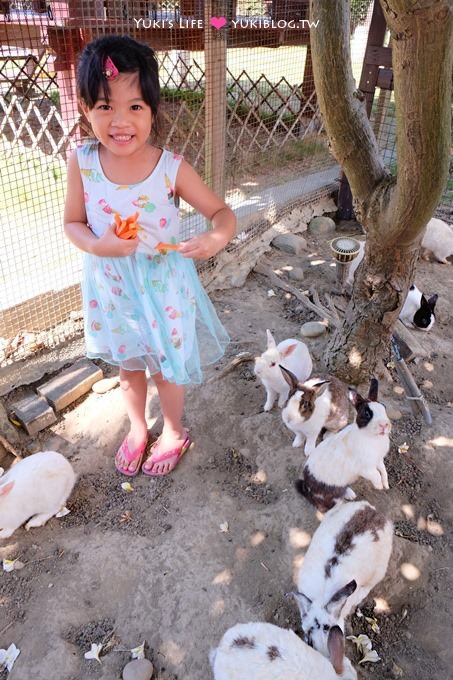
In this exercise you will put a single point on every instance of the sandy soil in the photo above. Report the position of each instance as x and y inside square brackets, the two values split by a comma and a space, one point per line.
[155, 565]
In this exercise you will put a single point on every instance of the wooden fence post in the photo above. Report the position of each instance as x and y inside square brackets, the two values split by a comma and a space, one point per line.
[215, 95]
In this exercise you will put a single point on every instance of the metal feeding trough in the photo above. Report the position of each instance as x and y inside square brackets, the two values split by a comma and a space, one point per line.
[344, 249]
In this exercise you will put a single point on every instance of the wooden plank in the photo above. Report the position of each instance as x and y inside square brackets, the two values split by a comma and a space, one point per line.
[385, 79]
[380, 56]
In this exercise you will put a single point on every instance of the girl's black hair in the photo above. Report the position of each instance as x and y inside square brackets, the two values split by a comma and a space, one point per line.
[129, 56]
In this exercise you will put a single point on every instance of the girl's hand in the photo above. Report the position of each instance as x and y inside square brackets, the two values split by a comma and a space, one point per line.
[110, 245]
[205, 245]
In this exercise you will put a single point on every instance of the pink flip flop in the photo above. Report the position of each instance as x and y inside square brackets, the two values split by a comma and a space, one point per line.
[174, 456]
[137, 454]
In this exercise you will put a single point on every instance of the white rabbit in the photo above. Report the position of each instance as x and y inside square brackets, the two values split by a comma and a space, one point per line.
[417, 310]
[36, 488]
[438, 239]
[262, 651]
[358, 450]
[321, 402]
[354, 264]
[294, 355]
[348, 555]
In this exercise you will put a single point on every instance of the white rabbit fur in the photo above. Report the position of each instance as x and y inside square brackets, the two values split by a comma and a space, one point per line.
[262, 651]
[438, 239]
[348, 555]
[418, 311]
[35, 488]
[294, 355]
[358, 450]
[320, 402]
[355, 263]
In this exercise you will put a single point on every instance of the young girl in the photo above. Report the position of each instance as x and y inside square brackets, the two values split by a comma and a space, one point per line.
[144, 307]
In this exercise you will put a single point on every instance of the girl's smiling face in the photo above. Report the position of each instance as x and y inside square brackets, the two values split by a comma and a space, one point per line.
[123, 123]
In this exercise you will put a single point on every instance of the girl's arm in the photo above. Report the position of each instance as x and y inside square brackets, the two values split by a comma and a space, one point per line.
[190, 187]
[75, 221]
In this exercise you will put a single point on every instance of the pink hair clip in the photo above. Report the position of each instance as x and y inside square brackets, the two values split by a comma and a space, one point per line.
[110, 71]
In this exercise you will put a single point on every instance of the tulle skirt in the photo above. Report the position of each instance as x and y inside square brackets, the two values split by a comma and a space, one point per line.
[151, 312]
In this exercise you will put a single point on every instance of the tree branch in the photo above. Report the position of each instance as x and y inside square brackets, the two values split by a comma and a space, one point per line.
[352, 138]
[422, 48]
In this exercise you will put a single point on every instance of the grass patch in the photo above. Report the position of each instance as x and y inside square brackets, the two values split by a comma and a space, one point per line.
[31, 180]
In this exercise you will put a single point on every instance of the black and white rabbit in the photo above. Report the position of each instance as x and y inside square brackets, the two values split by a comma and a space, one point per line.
[418, 310]
[262, 651]
[322, 402]
[35, 488]
[347, 556]
[358, 450]
[291, 353]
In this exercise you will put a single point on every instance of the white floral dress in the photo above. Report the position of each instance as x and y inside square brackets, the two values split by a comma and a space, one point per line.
[148, 310]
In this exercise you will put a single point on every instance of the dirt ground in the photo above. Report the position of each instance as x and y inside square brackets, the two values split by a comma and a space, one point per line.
[178, 560]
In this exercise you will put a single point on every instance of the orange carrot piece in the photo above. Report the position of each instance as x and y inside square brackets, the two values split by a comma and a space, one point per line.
[130, 233]
[117, 219]
[167, 246]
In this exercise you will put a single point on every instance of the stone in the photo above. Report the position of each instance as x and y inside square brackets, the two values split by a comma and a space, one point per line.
[296, 274]
[290, 243]
[393, 413]
[138, 669]
[321, 225]
[34, 413]
[106, 384]
[70, 384]
[311, 329]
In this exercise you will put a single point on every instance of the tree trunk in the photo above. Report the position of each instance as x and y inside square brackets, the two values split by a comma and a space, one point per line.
[362, 341]
[392, 211]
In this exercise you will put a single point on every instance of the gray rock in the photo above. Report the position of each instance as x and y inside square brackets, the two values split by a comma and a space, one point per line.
[296, 274]
[138, 669]
[290, 243]
[312, 329]
[321, 225]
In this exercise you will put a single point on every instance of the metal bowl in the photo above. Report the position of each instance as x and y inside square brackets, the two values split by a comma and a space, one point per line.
[344, 248]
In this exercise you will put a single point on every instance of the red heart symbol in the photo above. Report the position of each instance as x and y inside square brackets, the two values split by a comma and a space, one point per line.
[217, 22]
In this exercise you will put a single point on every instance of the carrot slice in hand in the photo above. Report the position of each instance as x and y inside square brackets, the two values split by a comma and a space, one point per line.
[162, 247]
[127, 228]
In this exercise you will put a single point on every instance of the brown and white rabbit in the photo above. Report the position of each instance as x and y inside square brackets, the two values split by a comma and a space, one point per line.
[322, 402]
[438, 239]
[294, 355]
[35, 488]
[418, 311]
[262, 651]
[348, 555]
[358, 450]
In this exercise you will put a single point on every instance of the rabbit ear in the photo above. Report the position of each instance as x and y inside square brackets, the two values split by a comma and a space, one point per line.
[337, 601]
[335, 645]
[355, 397]
[290, 378]
[302, 600]
[373, 391]
[6, 488]
[432, 302]
[289, 350]
[320, 387]
[270, 340]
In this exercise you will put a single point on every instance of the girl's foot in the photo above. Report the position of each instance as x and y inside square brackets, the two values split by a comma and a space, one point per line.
[166, 453]
[130, 454]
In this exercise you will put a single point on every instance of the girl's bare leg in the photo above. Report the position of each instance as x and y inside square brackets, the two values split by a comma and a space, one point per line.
[134, 387]
[173, 433]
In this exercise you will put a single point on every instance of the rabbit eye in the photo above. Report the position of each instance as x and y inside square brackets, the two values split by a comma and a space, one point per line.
[273, 363]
